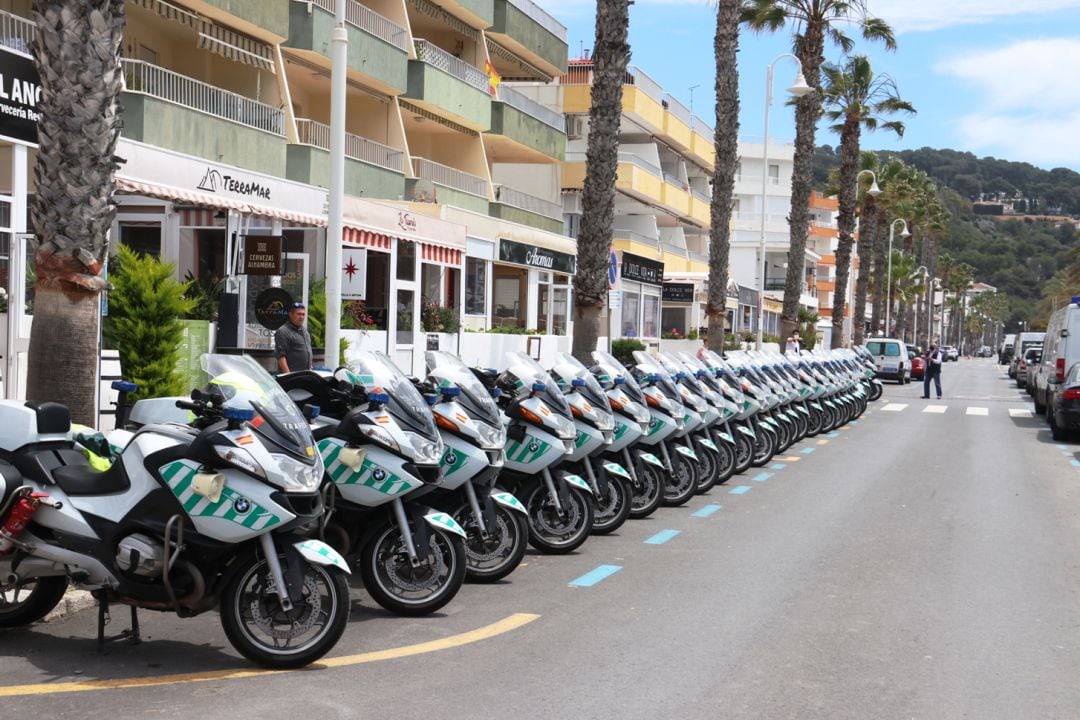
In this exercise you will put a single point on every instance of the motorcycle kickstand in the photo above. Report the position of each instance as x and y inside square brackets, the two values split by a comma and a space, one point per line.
[132, 634]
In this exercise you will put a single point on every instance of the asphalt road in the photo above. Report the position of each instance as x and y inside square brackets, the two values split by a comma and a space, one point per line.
[918, 564]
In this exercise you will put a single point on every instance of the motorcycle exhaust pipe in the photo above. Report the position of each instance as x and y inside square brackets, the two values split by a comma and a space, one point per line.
[74, 563]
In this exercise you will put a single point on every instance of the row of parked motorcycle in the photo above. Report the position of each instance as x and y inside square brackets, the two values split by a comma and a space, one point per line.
[258, 495]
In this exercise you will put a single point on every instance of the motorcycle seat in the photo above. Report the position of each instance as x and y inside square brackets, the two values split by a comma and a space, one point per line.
[79, 478]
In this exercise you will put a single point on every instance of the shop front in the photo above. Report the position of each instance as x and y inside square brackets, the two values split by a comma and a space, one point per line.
[640, 288]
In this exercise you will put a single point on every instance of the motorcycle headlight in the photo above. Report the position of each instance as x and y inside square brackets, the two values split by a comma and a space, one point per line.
[565, 429]
[426, 452]
[240, 458]
[381, 436]
[491, 438]
[298, 475]
[604, 421]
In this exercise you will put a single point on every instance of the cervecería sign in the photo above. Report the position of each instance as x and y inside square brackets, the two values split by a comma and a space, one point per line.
[20, 91]
[262, 255]
[537, 257]
[644, 270]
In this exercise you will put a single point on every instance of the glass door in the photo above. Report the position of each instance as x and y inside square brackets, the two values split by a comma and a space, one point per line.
[406, 317]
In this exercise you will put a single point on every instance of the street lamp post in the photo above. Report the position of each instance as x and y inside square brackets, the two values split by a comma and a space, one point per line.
[873, 192]
[798, 89]
[915, 330]
[888, 277]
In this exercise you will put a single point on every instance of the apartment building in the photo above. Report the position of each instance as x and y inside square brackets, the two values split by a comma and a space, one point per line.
[661, 230]
[824, 239]
[453, 147]
[761, 206]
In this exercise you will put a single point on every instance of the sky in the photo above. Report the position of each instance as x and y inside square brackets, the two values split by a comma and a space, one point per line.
[997, 78]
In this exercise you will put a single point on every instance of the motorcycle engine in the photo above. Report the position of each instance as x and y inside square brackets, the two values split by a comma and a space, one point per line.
[140, 555]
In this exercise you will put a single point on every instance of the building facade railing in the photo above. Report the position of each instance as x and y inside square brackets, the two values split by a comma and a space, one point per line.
[357, 147]
[450, 177]
[371, 22]
[676, 108]
[532, 108]
[16, 32]
[530, 203]
[430, 53]
[142, 77]
[541, 17]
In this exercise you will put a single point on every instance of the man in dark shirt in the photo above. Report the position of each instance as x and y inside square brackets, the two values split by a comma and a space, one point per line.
[292, 344]
[934, 358]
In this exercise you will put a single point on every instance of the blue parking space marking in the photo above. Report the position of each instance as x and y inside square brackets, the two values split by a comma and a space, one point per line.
[1075, 463]
[778, 466]
[833, 434]
[594, 576]
[1061, 447]
[662, 537]
[739, 490]
[807, 451]
[762, 477]
[1066, 453]
[707, 510]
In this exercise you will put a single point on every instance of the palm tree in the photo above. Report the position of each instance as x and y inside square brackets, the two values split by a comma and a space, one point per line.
[814, 21]
[856, 99]
[77, 52]
[726, 142]
[889, 205]
[611, 55]
[864, 248]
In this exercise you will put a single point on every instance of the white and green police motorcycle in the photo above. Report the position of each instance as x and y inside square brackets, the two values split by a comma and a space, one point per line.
[188, 518]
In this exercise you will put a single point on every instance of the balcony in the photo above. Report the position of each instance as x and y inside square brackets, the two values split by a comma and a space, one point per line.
[378, 48]
[449, 86]
[517, 206]
[272, 16]
[16, 32]
[678, 123]
[478, 13]
[528, 30]
[526, 122]
[703, 143]
[452, 186]
[170, 110]
[642, 96]
[372, 170]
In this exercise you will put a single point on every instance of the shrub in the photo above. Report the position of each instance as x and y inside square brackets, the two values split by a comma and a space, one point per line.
[623, 349]
[145, 307]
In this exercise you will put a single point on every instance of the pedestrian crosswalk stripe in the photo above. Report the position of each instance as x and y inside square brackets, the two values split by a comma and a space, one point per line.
[1013, 412]
[938, 409]
[894, 407]
[978, 411]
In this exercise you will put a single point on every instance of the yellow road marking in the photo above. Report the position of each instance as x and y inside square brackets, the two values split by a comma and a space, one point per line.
[489, 631]
[846, 427]
[823, 441]
[791, 459]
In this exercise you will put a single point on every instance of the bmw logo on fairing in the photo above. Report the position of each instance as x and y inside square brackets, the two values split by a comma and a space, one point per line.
[451, 458]
[379, 474]
[654, 422]
[241, 505]
[534, 446]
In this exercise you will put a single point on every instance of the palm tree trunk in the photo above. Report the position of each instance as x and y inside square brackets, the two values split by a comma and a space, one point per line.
[610, 57]
[849, 169]
[865, 249]
[879, 274]
[807, 113]
[77, 51]
[725, 140]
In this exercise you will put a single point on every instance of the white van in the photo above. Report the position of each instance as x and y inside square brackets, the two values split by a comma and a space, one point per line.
[1061, 348]
[890, 358]
[1005, 352]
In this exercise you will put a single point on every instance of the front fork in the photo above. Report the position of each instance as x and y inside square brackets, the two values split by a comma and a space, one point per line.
[273, 562]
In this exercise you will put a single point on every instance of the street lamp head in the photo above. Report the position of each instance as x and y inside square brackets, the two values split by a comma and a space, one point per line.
[874, 190]
[800, 88]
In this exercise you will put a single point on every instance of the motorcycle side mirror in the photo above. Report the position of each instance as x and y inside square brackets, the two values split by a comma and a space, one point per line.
[654, 377]
[538, 387]
[577, 382]
[311, 412]
[620, 381]
[450, 391]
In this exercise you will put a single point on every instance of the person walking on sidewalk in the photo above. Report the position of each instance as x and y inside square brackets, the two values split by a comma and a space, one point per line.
[292, 343]
[934, 359]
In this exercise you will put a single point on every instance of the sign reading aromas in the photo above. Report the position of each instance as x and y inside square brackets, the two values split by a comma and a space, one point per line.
[537, 257]
[262, 255]
[20, 91]
[644, 270]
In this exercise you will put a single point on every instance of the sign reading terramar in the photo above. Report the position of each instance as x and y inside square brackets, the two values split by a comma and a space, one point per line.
[262, 255]
[20, 91]
[537, 257]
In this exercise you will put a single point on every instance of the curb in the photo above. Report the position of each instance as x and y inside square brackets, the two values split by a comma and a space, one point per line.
[73, 602]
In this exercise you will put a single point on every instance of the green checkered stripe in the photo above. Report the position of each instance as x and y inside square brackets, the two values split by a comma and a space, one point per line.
[323, 550]
[519, 451]
[655, 426]
[580, 440]
[180, 477]
[451, 462]
[342, 474]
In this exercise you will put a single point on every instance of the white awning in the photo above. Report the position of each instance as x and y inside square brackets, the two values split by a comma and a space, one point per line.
[165, 192]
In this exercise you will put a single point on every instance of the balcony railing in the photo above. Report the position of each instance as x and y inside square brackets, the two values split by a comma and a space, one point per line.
[16, 32]
[756, 217]
[760, 140]
[530, 107]
[755, 179]
[450, 177]
[581, 73]
[530, 203]
[676, 181]
[677, 109]
[435, 56]
[774, 284]
[677, 249]
[359, 148]
[369, 21]
[534, 11]
[700, 194]
[142, 77]
[697, 256]
[636, 236]
[637, 160]
[703, 128]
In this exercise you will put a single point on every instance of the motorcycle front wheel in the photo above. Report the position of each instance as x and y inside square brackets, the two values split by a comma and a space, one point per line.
[764, 446]
[744, 452]
[261, 631]
[647, 492]
[492, 556]
[553, 531]
[405, 588]
[611, 509]
[681, 484]
[708, 471]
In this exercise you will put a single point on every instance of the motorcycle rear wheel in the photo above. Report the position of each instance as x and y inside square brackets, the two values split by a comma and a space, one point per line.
[31, 600]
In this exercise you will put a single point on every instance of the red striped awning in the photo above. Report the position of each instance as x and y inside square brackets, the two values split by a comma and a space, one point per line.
[432, 253]
[355, 237]
[210, 200]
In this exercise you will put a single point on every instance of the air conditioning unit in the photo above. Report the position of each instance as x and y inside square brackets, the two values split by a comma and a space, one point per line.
[575, 127]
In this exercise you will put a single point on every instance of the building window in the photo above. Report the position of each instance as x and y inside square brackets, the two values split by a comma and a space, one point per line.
[631, 304]
[406, 260]
[650, 325]
[405, 310]
[143, 239]
[774, 174]
[674, 320]
[476, 271]
[509, 298]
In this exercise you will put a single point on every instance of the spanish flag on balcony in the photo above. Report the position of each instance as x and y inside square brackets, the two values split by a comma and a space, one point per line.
[493, 78]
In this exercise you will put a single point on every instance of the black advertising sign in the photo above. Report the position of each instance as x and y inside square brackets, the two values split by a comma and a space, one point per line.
[537, 257]
[20, 91]
[262, 255]
[644, 270]
[272, 307]
[677, 292]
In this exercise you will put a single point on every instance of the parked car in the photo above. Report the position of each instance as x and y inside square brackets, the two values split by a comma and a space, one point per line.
[890, 358]
[1006, 352]
[1023, 342]
[951, 353]
[1061, 350]
[1031, 357]
[985, 351]
[1063, 407]
[918, 363]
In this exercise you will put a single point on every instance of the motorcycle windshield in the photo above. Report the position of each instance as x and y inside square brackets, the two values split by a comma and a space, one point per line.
[248, 386]
[616, 369]
[406, 404]
[591, 390]
[551, 393]
[665, 382]
[474, 396]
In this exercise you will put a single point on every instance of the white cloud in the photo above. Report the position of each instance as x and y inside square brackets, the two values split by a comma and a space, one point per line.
[1027, 112]
[925, 15]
